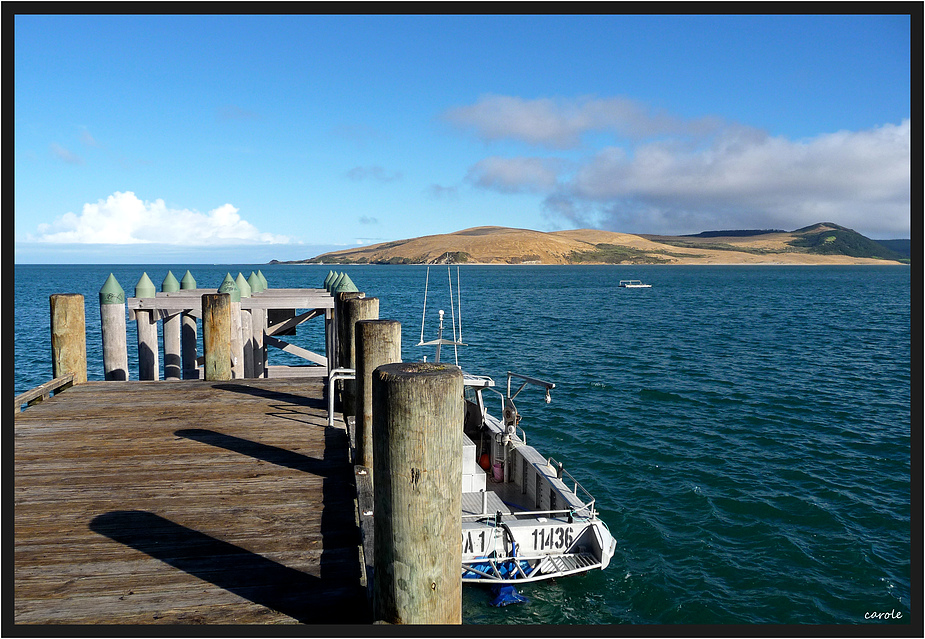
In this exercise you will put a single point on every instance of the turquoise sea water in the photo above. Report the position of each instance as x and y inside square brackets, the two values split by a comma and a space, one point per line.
[745, 430]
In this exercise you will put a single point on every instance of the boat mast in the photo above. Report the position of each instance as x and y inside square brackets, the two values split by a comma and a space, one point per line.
[424, 313]
[449, 276]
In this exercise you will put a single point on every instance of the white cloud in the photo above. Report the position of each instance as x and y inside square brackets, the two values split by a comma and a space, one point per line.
[664, 174]
[560, 123]
[857, 179]
[439, 192]
[122, 218]
[515, 175]
[65, 155]
[87, 139]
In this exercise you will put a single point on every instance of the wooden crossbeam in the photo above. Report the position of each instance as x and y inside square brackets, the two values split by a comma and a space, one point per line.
[292, 349]
[293, 322]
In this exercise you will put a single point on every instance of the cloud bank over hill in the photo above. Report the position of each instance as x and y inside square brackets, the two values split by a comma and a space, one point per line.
[123, 218]
[617, 164]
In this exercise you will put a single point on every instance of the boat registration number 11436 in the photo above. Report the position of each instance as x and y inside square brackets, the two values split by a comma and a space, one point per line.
[552, 538]
[540, 539]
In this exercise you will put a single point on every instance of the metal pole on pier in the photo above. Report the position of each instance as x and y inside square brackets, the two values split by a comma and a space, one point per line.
[68, 336]
[378, 342]
[146, 322]
[417, 412]
[112, 327]
[216, 336]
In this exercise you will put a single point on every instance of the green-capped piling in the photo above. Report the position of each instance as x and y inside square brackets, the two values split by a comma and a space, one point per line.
[189, 333]
[247, 327]
[146, 324]
[173, 362]
[258, 326]
[112, 328]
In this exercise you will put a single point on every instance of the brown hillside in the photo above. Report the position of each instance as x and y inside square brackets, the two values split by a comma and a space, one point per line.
[501, 245]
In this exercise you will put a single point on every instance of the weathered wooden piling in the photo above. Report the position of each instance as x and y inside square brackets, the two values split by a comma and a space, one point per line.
[188, 337]
[417, 413]
[68, 336]
[146, 322]
[342, 289]
[378, 342]
[355, 309]
[247, 327]
[237, 344]
[258, 326]
[173, 365]
[216, 336]
[112, 327]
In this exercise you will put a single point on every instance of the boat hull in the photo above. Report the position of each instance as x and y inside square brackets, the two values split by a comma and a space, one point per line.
[533, 549]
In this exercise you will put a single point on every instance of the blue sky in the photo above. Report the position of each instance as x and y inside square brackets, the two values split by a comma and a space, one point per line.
[249, 138]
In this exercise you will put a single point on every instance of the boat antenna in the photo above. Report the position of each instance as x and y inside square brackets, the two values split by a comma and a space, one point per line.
[459, 303]
[449, 275]
[424, 313]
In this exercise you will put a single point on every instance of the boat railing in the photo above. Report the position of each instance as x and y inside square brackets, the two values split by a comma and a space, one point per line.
[523, 434]
[577, 488]
[518, 430]
[518, 513]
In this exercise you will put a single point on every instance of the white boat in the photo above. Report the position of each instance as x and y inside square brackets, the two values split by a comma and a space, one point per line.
[524, 517]
[633, 284]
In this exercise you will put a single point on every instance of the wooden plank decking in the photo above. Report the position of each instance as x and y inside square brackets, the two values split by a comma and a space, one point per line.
[186, 502]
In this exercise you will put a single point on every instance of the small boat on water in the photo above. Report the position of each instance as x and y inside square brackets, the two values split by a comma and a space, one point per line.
[524, 517]
[633, 284]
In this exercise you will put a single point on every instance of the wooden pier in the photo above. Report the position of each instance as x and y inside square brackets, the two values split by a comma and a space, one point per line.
[229, 493]
[193, 502]
[203, 500]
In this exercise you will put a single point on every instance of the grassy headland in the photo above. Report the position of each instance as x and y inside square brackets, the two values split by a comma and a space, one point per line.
[823, 243]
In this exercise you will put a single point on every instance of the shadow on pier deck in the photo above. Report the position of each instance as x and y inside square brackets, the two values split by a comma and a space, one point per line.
[187, 502]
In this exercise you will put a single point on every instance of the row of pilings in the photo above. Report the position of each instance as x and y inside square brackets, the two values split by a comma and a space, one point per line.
[408, 432]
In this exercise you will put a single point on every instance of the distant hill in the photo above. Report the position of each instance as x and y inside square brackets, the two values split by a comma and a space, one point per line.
[830, 239]
[903, 247]
[745, 233]
[823, 243]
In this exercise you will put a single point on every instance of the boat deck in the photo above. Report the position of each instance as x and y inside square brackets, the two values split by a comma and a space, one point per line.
[186, 502]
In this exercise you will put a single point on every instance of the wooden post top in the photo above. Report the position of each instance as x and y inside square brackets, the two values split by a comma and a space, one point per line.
[145, 287]
[112, 292]
[170, 283]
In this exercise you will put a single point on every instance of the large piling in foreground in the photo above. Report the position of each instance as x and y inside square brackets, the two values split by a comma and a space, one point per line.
[417, 430]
